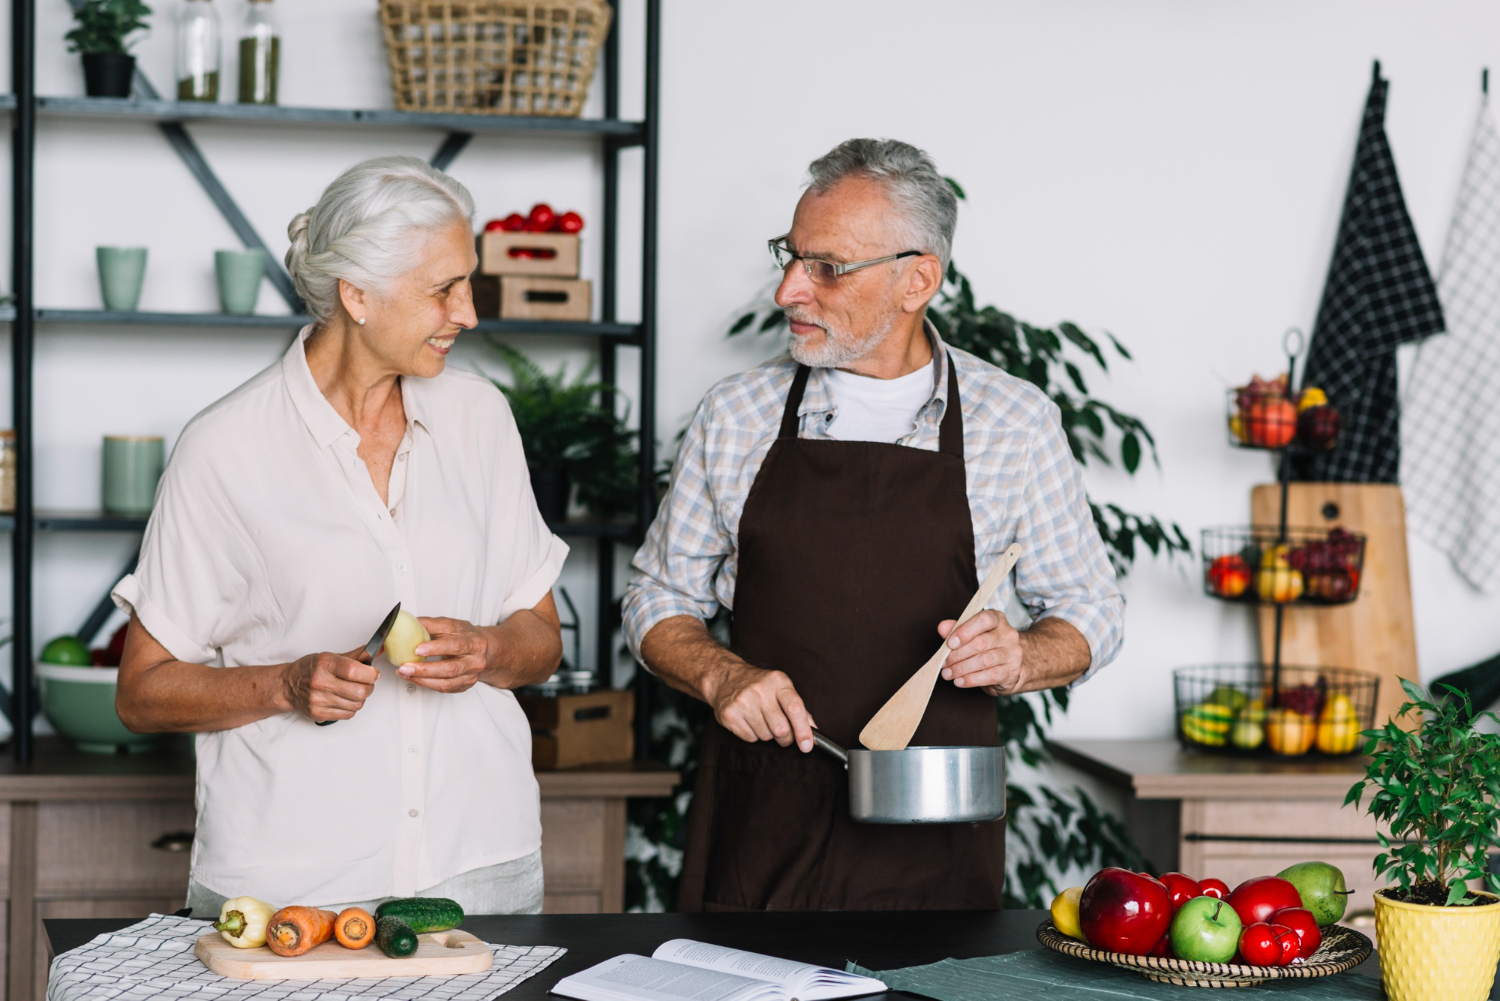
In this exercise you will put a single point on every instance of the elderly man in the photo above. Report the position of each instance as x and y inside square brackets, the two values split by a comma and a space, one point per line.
[844, 502]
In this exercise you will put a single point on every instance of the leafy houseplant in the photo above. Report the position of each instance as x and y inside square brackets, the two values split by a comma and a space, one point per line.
[1437, 791]
[1049, 831]
[102, 35]
[570, 438]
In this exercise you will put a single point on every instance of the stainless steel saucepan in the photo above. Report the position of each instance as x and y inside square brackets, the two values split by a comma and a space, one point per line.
[923, 785]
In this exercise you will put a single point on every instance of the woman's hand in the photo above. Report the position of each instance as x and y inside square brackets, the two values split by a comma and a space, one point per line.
[330, 686]
[466, 651]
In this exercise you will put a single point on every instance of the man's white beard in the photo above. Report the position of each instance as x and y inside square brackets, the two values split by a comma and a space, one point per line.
[839, 347]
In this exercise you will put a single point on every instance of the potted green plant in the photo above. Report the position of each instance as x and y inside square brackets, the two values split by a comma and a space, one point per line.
[102, 36]
[570, 439]
[1437, 793]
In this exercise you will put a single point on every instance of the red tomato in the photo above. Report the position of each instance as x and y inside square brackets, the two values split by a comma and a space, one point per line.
[513, 223]
[1258, 945]
[1180, 888]
[1214, 888]
[541, 218]
[1301, 921]
[493, 225]
[569, 222]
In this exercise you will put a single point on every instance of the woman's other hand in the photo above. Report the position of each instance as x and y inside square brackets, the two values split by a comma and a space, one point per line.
[523, 650]
[330, 686]
[464, 647]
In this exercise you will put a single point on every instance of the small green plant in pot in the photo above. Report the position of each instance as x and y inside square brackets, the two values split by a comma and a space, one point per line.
[1437, 796]
[102, 36]
[570, 439]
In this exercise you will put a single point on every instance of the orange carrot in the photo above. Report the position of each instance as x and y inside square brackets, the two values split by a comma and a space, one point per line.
[354, 928]
[294, 930]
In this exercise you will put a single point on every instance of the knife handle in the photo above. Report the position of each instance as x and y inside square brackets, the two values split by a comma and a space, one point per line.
[328, 722]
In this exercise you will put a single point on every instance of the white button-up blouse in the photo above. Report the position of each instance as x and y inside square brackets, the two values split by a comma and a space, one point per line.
[269, 542]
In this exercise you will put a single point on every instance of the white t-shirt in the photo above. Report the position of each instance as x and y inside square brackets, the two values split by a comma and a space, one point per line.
[268, 542]
[878, 409]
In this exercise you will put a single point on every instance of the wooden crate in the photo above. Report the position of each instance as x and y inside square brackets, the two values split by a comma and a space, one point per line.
[551, 255]
[570, 730]
[525, 298]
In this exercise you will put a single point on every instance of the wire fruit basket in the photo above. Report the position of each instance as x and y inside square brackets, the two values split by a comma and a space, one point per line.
[493, 57]
[1268, 565]
[1265, 415]
[1261, 709]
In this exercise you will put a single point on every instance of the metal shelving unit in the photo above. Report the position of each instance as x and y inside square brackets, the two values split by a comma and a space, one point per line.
[612, 136]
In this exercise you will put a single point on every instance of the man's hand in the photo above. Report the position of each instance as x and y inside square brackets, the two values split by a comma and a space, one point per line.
[985, 653]
[329, 686]
[759, 705]
[464, 647]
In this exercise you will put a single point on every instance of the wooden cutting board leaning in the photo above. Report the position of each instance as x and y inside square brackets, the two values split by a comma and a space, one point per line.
[1375, 632]
[439, 954]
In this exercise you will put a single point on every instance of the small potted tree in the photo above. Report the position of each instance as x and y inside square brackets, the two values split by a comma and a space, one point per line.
[1437, 793]
[102, 36]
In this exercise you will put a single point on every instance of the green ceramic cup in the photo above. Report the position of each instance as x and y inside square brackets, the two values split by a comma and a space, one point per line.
[132, 467]
[239, 272]
[122, 272]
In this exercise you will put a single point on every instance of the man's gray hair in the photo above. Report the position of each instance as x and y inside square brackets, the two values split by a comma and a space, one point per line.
[923, 199]
[369, 227]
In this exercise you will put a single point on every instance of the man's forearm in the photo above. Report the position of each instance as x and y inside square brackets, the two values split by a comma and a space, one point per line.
[1053, 653]
[681, 652]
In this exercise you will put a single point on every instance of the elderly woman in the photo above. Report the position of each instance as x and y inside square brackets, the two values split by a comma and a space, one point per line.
[354, 473]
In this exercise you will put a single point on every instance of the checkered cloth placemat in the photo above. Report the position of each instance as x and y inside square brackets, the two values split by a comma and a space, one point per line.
[154, 959]
[1450, 452]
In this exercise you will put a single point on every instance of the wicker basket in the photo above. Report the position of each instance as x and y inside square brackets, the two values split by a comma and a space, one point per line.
[493, 57]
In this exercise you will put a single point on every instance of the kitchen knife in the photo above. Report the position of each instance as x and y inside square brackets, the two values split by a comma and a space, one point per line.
[372, 648]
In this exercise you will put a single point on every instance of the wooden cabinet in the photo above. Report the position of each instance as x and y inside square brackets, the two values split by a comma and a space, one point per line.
[1236, 817]
[88, 836]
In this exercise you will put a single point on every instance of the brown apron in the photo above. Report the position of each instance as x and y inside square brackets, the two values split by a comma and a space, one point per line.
[850, 554]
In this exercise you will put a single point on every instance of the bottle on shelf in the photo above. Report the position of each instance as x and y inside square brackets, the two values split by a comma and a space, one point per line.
[198, 51]
[260, 54]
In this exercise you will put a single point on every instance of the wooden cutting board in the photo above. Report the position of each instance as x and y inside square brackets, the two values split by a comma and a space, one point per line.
[439, 954]
[1375, 632]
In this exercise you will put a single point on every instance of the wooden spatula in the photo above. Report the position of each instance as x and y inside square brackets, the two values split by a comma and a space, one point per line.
[891, 728]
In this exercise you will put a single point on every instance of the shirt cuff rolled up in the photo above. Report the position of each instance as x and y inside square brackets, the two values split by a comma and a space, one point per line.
[647, 605]
[130, 598]
[539, 583]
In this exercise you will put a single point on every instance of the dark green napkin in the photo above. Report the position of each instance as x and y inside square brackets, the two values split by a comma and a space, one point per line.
[1038, 975]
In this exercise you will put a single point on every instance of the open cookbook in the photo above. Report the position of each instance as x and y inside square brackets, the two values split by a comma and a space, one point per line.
[684, 969]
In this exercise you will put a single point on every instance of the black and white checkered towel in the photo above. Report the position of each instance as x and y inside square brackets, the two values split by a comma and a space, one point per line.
[1450, 466]
[154, 959]
[1378, 296]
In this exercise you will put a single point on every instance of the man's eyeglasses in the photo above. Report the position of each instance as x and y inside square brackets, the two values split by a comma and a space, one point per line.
[826, 273]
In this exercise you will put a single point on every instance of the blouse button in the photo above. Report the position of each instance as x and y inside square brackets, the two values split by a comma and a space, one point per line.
[410, 688]
[401, 567]
[411, 813]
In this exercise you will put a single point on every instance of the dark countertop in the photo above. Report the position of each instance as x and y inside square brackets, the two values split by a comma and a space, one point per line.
[881, 941]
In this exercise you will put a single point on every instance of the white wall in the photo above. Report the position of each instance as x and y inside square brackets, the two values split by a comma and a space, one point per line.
[1168, 170]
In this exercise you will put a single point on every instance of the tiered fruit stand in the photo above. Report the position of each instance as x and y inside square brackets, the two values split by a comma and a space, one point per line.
[1276, 708]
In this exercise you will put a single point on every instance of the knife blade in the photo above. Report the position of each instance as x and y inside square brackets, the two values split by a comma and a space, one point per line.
[372, 648]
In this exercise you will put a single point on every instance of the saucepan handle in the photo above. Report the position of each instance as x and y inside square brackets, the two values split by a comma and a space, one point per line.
[831, 748]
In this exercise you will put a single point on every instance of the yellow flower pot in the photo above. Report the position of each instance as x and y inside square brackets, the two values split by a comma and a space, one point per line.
[1437, 953]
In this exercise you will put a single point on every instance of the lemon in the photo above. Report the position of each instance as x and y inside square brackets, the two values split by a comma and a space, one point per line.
[1311, 397]
[1065, 913]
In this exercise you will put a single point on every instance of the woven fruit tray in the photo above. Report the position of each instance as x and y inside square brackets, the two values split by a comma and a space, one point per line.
[1343, 949]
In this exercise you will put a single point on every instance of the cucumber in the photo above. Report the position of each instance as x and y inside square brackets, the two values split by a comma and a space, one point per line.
[423, 914]
[395, 937]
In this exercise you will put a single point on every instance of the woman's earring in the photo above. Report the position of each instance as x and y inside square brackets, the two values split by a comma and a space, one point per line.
[361, 321]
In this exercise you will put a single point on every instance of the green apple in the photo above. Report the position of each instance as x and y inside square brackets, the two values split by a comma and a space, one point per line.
[1205, 930]
[67, 650]
[1230, 698]
[1247, 733]
[401, 642]
[1321, 887]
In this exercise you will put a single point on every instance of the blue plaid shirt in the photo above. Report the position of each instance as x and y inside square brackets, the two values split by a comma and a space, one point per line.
[1024, 487]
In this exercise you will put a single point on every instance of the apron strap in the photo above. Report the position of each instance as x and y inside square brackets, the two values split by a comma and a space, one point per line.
[951, 431]
[793, 402]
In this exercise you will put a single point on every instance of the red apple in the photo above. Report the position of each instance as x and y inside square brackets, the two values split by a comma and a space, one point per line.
[1214, 888]
[1164, 947]
[1257, 899]
[1123, 911]
[1290, 944]
[1180, 888]
[1301, 921]
[1258, 945]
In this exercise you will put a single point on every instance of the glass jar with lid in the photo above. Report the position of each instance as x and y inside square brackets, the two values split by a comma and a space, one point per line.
[260, 54]
[198, 52]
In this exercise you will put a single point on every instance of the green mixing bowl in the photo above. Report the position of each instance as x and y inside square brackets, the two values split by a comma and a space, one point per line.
[80, 703]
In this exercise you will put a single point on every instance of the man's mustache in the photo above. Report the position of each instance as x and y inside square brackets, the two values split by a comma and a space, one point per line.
[797, 314]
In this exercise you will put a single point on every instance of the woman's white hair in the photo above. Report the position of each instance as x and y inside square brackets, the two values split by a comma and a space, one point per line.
[362, 227]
